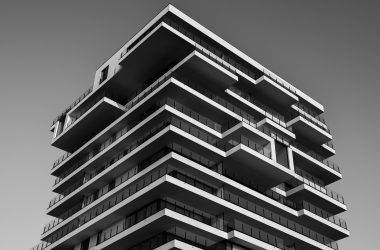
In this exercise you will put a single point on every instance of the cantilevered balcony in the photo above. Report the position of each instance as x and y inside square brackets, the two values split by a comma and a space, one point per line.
[315, 164]
[200, 196]
[78, 100]
[325, 150]
[308, 131]
[265, 115]
[243, 185]
[160, 49]
[186, 168]
[83, 125]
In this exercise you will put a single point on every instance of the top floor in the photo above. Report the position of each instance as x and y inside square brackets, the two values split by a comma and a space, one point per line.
[202, 37]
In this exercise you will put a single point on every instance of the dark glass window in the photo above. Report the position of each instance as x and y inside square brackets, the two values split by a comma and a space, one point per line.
[104, 74]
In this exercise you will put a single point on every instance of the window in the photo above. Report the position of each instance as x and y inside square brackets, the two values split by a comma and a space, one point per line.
[85, 244]
[104, 74]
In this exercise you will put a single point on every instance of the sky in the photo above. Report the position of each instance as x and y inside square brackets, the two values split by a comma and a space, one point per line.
[50, 50]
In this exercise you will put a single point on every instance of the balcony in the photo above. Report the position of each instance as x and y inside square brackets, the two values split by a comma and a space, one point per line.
[282, 97]
[315, 164]
[78, 100]
[155, 53]
[267, 116]
[176, 175]
[246, 205]
[83, 125]
[321, 220]
[308, 131]
[302, 188]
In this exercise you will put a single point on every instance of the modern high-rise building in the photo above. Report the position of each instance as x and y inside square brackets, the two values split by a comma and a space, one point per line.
[185, 142]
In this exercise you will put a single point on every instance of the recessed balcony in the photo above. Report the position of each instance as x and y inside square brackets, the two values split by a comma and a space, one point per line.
[92, 121]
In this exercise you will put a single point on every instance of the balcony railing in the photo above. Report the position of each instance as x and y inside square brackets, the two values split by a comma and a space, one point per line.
[311, 113]
[105, 206]
[213, 221]
[110, 142]
[135, 99]
[153, 208]
[245, 117]
[165, 237]
[270, 113]
[79, 99]
[86, 108]
[248, 183]
[323, 214]
[316, 156]
[312, 119]
[223, 59]
[140, 166]
[203, 161]
[259, 210]
[251, 144]
[138, 97]
[322, 189]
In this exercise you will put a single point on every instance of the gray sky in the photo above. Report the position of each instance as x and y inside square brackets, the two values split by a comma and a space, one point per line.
[49, 51]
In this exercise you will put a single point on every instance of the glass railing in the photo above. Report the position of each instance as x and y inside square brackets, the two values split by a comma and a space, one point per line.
[107, 144]
[259, 210]
[141, 166]
[311, 119]
[246, 181]
[330, 144]
[153, 208]
[244, 116]
[83, 110]
[105, 206]
[225, 60]
[310, 113]
[316, 156]
[165, 237]
[161, 172]
[137, 97]
[193, 114]
[213, 221]
[80, 98]
[323, 214]
[262, 149]
[170, 121]
[322, 189]
[120, 154]
[270, 113]
[305, 175]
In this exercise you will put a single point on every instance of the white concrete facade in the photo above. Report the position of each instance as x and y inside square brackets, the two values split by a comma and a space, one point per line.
[179, 145]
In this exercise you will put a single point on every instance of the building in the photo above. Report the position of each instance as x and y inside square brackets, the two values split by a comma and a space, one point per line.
[185, 142]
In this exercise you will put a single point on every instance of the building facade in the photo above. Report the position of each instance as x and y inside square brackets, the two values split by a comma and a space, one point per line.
[185, 142]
